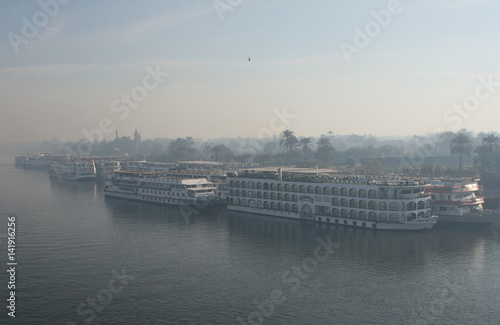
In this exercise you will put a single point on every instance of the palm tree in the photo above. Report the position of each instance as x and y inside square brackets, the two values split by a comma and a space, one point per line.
[181, 149]
[491, 142]
[488, 151]
[482, 158]
[221, 152]
[304, 143]
[288, 140]
[461, 145]
[324, 142]
[325, 150]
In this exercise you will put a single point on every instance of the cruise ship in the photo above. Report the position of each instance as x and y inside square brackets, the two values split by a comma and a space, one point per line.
[457, 201]
[213, 171]
[40, 161]
[390, 203]
[72, 169]
[157, 187]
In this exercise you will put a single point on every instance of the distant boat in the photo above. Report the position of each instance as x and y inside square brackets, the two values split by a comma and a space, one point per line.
[457, 201]
[35, 161]
[72, 169]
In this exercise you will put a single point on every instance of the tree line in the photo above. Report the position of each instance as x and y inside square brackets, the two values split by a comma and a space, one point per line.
[460, 153]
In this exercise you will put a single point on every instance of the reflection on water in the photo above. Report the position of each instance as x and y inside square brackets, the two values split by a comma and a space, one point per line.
[75, 187]
[406, 246]
[154, 213]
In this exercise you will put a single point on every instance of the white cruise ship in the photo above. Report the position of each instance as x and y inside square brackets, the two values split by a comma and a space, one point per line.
[72, 169]
[457, 201]
[156, 187]
[309, 194]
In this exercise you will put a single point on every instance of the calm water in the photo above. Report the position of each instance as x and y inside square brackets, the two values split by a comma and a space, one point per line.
[84, 259]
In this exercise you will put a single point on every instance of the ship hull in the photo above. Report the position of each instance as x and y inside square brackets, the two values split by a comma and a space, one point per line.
[71, 177]
[197, 203]
[478, 219]
[365, 224]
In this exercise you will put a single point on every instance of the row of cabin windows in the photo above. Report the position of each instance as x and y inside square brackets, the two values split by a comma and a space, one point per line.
[265, 204]
[127, 189]
[372, 194]
[362, 204]
[265, 195]
[162, 192]
[343, 213]
[383, 206]
[157, 199]
[381, 217]
[161, 185]
[148, 198]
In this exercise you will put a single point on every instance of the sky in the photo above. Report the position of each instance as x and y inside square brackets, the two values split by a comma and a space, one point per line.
[83, 69]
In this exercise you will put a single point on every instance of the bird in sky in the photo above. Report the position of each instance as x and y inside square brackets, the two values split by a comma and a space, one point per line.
[248, 58]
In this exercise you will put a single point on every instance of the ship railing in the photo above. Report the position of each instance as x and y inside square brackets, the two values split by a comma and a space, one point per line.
[331, 179]
[411, 196]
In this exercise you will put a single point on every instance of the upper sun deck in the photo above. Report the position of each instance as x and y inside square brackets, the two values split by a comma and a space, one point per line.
[311, 175]
[158, 176]
[453, 186]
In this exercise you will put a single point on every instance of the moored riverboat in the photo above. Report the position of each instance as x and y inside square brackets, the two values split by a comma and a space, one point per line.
[390, 203]
[458, 202]
[72, 169]
[157, 187]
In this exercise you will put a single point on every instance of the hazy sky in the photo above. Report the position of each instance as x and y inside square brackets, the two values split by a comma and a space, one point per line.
[180, 68]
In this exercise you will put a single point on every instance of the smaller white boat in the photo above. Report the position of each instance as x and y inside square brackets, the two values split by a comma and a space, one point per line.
[157, 187]
[457, 201]
[72, 169]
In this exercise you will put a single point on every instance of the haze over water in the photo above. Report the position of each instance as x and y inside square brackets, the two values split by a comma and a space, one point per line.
[71, 243]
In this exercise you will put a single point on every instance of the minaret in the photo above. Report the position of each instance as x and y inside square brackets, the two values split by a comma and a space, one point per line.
[137, 138]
